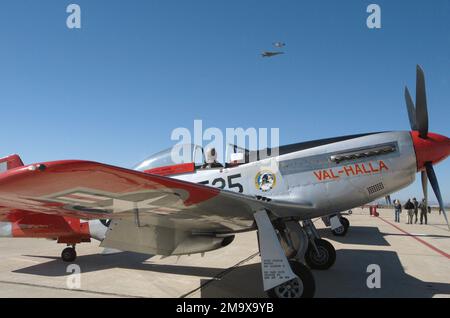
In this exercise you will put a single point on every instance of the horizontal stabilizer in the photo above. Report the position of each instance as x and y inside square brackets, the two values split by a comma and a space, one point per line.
[10, 162]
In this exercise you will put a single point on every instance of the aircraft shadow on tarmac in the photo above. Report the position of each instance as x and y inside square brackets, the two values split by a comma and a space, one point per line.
[346, 279]
[125, 260]
[357, 235]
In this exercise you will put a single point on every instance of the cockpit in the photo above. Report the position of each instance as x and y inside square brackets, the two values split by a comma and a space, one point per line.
[184, 158]
[176, 155]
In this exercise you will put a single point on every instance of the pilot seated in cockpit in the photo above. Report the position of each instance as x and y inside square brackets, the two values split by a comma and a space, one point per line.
[211, 159]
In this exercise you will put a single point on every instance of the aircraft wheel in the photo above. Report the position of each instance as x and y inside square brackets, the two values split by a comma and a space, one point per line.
[302, 287]
[341, 231]
[322, 260]
[345, 222]
[68, 254]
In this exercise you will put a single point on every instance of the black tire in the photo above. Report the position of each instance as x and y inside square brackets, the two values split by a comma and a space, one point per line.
[326, 258]
[342, 231]
[303, 287]
[345, 222]
[69, 254]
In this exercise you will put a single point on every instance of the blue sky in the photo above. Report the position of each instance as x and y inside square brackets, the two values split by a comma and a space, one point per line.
[114, 90]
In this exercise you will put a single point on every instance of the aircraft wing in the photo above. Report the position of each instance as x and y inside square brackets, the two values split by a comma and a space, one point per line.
[90, 190]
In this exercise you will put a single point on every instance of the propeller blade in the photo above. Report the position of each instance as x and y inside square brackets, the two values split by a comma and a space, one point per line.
[425, 186]
[437, 191]
[411, 109]
[421, 104]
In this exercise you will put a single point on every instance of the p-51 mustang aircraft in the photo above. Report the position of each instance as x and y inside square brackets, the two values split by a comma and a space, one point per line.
[168, 208]
[270, 54]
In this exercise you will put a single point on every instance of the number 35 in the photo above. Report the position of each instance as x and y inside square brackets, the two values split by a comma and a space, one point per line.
[222, 184]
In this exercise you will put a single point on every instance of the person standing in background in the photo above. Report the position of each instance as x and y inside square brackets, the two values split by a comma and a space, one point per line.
[410, 207]
[416, 209]
[397, 210]
[423, 211]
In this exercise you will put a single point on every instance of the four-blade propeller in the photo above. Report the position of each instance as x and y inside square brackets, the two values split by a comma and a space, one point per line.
[418, 119]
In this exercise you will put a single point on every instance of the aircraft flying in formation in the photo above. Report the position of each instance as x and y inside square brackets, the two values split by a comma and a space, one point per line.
[171, 208]
[270, 54]
[279, 44]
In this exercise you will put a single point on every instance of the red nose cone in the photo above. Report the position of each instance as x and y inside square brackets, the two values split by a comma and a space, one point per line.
[433, 149]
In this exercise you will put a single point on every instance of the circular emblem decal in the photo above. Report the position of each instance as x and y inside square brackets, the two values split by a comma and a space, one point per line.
[265, 180]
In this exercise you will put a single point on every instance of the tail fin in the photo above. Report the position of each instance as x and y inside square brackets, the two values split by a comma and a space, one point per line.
[10, 162]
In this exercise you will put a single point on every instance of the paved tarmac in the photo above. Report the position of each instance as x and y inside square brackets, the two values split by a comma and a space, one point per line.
[414, 261]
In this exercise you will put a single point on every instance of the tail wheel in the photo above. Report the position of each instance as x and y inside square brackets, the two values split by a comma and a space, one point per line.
[302, 287]
[322, 258]
[68, 254]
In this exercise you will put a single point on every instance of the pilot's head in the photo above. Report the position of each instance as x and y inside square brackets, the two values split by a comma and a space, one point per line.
[211, 155]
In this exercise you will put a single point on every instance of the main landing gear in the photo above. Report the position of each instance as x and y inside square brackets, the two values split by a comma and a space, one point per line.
[342, 230]
[301, 287]
[69, 254]
[320, 254]
[339, 224]
[289, 250]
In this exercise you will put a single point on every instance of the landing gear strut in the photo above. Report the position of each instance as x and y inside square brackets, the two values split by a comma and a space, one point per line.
[283, 278]
[69, 254]
[289, 250]
[320, 254]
